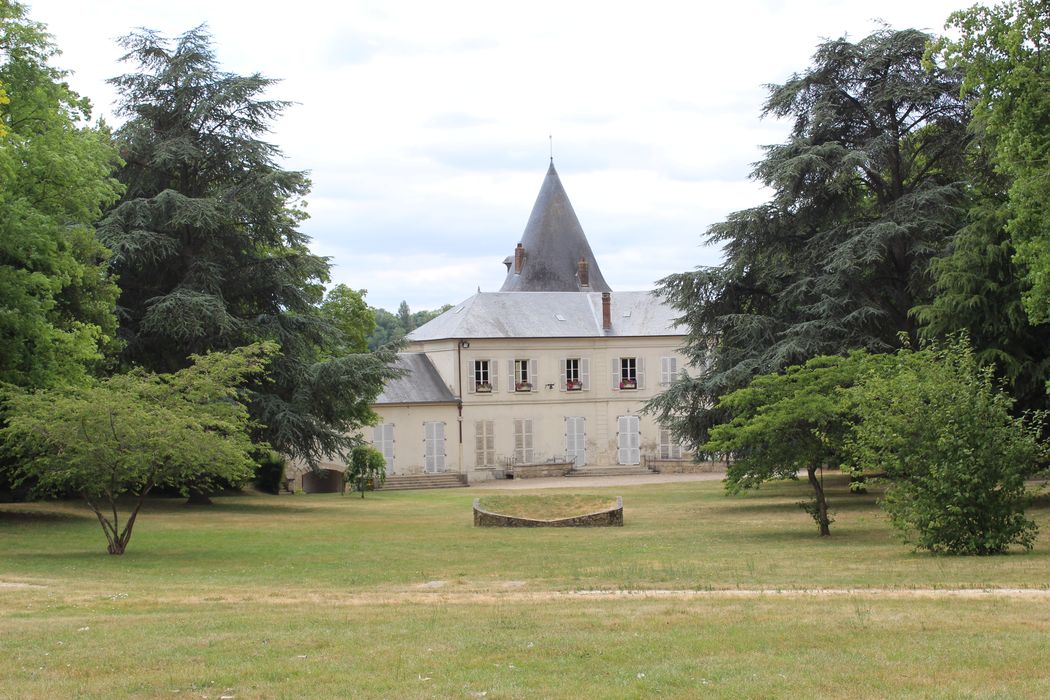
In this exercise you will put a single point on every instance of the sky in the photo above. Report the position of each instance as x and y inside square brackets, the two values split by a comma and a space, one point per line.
[427, 127]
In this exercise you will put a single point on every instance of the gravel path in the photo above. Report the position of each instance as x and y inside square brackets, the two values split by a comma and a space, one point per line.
[575, 482]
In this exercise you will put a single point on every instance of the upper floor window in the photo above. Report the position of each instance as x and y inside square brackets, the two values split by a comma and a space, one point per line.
[574, 374]
[668, 370]
[523, 371]
[628, 373]
[483, 376]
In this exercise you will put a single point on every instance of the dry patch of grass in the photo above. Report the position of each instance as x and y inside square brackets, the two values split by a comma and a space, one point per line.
[548, 506]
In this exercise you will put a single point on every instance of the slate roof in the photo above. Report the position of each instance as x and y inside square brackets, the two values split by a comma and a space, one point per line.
[554, 241]
[420, 383]
[550, 315]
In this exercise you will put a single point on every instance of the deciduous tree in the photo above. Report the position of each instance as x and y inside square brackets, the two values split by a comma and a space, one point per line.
[132, 432]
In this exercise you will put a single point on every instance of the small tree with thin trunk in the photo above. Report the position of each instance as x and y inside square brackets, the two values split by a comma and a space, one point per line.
[367, 466]
[788, 422]
[123, 436]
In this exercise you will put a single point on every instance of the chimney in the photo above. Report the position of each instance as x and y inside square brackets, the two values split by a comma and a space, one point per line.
[581, 272]
[519, 258]
[607, 311]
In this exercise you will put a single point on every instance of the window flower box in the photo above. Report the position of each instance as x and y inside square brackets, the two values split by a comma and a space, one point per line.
[629, 384]
[523, 386]
[483, 388]
[574, 385]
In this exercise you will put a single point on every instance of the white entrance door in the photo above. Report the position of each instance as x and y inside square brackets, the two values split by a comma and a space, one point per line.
[383, 440]
[434, 447]
[628, 440]
[576, 439]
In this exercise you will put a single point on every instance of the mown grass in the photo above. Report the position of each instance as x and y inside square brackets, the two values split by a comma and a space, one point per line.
[547, 506]
[397, 595]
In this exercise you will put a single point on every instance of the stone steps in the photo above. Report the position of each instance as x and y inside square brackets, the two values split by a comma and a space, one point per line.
[611, 470]
[425, 481]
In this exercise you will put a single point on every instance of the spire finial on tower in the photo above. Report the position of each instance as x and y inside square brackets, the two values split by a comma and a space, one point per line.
[551, 138]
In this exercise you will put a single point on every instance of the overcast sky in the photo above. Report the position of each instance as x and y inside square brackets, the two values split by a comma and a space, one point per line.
[424, 125]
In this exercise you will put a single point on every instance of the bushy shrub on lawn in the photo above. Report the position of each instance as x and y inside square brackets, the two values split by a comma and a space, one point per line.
[941, 431]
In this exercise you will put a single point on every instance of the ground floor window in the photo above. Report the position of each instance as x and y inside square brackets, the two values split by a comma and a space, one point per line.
[383, 440]
[523, 441]
[628, 440]
[484, 443]
[669, 447]
[433, 447]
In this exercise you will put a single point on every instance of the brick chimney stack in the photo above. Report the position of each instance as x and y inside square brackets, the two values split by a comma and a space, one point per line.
[581, 272]
[519, 259]
[607, 311]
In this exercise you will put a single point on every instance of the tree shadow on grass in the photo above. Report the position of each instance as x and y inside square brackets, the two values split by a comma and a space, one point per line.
[11, 515]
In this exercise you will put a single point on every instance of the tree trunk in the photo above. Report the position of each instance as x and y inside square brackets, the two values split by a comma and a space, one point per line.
[822, 505]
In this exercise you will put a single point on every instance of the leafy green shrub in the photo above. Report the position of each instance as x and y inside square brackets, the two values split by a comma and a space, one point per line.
[367, 466]
[941, 431]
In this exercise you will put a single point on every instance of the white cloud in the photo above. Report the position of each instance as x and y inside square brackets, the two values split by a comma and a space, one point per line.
[425, 125]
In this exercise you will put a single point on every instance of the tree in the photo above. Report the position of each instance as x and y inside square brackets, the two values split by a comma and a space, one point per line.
[941, 430]
[207, 246]
[132, 432]
[367, 467]
[1003, 51]
[391, 328]
[783, 423]
[866, 190]
[346, 310]
[57, 303]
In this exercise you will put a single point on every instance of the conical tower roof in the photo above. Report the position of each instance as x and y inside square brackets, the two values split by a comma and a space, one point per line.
[553, 245]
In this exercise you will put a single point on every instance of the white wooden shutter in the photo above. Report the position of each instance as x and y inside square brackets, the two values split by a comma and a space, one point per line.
[534, 378]
[523, 440]
[668, 369]
[434, 447]
[511, 378]
[561, 387]
[669, 448]
[639, 369]
[383, 440]
[576, 439]
[471, 377]
[585, 373]
[628, 440]
[614, 373]
[494, 375]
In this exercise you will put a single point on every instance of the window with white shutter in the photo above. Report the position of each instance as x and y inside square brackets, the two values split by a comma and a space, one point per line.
[576, 439]
[433, 447]
[628, 440]
[668, 370]
[523, 441]
[383, 440]
[484, 443]
[669, 447]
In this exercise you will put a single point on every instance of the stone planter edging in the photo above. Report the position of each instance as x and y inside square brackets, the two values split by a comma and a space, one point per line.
[604, 518]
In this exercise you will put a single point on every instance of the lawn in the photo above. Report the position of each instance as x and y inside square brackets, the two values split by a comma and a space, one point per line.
[398, 595]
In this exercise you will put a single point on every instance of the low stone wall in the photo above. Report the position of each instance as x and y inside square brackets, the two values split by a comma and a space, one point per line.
[683, 466]
[605, 518]
[536, 471]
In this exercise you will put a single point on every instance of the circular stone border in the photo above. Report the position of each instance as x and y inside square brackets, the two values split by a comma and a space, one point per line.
[603, 518]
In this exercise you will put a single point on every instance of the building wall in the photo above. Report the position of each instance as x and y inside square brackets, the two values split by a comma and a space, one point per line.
[548, 404]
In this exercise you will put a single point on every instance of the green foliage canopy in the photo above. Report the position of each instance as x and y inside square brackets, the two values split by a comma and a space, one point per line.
[1003, 52]
[941, 431]
[56, 301]
[867, 189]
[795, 420]
[134, 431]
[367, 466]
[210, 257]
